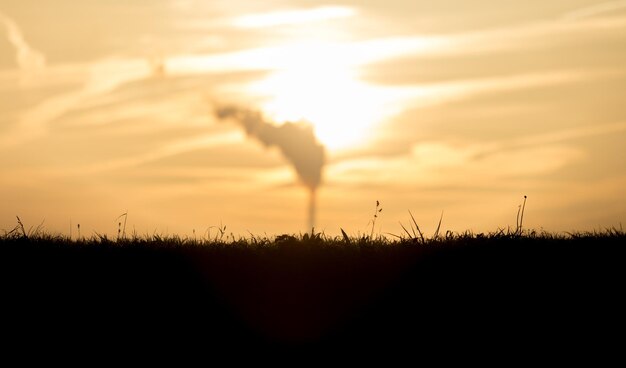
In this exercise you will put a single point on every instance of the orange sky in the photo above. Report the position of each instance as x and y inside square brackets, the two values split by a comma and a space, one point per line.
[109, 107]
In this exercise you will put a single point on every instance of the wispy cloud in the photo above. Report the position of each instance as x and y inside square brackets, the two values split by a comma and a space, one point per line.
[487, 164]
[442, 163]
[291, 17]
[167, 150]
[420, 96]
[360, 53]
[556, 137]
[27, 58]
[100, 78]
[594, 10]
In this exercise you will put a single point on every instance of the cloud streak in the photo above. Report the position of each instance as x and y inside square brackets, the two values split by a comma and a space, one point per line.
[598, 9]
[437, 163]
[100, 78]
[293, 17]
[27, 58]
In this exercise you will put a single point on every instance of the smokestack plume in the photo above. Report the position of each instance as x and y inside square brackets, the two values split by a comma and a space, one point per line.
[295, 141]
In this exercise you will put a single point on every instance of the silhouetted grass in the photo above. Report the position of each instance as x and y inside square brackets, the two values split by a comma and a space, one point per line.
[317, 290]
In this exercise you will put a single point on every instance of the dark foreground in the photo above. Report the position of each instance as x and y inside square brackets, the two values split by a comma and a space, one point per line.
[493, 293]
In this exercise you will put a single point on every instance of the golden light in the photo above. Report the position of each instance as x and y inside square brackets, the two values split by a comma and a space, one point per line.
[314, 79]
[310, 86]
[291, 17]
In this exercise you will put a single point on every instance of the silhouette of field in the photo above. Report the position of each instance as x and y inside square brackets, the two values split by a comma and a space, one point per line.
[490, 291]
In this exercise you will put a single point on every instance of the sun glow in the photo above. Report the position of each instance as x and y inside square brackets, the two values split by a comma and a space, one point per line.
[342, 109]
[291, 17]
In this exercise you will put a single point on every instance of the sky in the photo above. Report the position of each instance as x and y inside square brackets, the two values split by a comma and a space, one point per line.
[190, 115]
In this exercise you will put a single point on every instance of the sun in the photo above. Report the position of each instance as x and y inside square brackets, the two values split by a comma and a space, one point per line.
[342, 109]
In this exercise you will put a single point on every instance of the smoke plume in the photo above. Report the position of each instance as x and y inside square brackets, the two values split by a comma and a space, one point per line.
[295, 141]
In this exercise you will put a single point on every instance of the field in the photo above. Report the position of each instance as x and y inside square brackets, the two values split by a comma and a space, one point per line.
[501, 291]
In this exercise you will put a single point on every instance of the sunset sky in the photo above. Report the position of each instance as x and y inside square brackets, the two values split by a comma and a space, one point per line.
[464, 107]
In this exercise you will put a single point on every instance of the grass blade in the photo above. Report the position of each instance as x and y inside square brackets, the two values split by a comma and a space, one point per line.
[406, 231]
[438, 227]
[417, 227]
[345, 236]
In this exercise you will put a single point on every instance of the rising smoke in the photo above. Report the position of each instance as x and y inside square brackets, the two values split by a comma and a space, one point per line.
[295, 141]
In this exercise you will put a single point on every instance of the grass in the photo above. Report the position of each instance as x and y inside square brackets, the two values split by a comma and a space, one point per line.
[500, 288]
[411, 236]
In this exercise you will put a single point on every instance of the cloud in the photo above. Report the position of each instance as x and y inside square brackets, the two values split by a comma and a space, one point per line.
[99, 78]
[552, 138]
[168, 150]
[597, 9]
[295, 141]
[293, 17]
[438, 163]
[27, 58]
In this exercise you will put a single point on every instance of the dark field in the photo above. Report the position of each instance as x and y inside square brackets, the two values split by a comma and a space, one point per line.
[494, 292]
